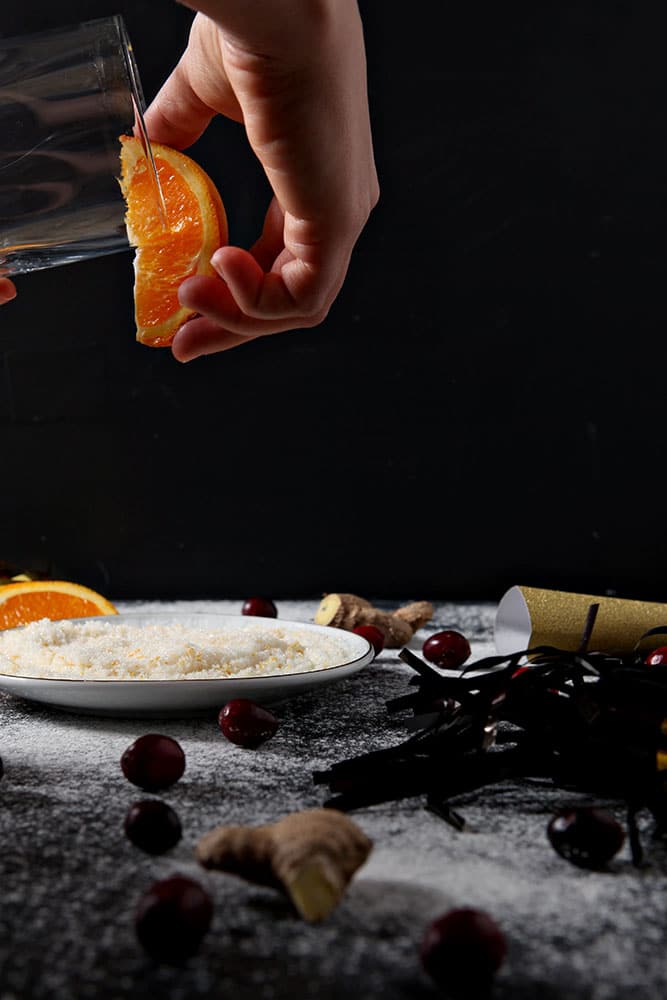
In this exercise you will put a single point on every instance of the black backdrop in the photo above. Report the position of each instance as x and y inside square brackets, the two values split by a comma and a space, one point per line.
[484, 404]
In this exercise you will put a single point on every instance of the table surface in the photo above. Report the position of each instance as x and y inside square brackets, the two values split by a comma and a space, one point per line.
[70, 880]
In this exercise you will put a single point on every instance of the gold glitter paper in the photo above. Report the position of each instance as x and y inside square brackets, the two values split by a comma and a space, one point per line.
[557, 619]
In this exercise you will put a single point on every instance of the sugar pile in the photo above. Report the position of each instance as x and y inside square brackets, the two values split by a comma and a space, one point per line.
[102, 650]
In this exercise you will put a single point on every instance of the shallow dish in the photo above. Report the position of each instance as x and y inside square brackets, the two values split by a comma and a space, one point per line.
[185, 697]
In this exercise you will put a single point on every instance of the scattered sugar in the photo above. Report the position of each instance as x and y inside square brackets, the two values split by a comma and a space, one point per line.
[69, 881]
[101, 650]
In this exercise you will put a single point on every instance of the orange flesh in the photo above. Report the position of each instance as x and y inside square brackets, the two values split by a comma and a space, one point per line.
[163, 253]
[29, 607]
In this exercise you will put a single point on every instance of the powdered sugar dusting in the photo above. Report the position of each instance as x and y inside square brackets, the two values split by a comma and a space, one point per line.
[70, 880]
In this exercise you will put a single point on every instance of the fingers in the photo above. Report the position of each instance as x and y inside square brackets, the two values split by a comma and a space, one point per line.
[213, 299]
[222, 324]
[258, 295]
[200, 336]
[7, 290]
[255, 297]
[271, 243]
[251, 302]
[289, 273]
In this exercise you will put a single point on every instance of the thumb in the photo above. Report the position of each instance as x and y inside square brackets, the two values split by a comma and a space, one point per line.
[177, 116]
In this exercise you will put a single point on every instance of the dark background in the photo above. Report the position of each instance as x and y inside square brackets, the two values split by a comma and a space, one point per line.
[484, 404]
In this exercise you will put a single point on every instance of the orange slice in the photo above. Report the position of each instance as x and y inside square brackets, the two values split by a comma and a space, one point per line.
[196, 225]
[31, 600]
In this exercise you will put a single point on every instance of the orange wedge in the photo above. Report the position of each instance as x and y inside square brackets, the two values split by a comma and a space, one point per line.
[21, 603]
[171, 249]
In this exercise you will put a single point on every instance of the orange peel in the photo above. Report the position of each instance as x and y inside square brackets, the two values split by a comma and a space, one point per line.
[32, 600]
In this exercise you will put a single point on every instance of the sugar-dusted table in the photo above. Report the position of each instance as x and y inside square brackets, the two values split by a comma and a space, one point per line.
[69, 879]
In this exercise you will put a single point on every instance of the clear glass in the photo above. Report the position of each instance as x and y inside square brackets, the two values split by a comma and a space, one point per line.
[66, 96]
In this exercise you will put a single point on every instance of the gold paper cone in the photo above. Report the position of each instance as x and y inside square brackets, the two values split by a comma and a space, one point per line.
[529, 616]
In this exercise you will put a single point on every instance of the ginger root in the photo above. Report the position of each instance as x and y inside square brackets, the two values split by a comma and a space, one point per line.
[347, 611]
[310, 855]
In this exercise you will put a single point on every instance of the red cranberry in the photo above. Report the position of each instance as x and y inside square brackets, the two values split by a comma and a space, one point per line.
[247, 724]
[586, 836]
[260, 606]
[447, 649]
[374, 636]
[658, 657]
[153, 826]
[153, 762]
[172, 918]
[463, 946]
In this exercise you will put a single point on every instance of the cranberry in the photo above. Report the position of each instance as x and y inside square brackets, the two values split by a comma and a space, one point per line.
[153, 826]
[586, 836]
[447, 649]
[172, 918]
[374, 636]
[260, 606]
[247, 724]
[658, 657]
[153, 762]
[463, 946]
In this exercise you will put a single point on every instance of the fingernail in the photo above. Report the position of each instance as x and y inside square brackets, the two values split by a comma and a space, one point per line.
[183, 360]
[183, 295]
[217, 262]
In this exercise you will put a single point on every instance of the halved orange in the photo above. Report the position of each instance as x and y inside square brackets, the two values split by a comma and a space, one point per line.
[168, 250]
[28, 601]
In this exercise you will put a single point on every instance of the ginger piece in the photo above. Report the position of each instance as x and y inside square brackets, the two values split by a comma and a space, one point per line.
[348, 610]
[310, 855]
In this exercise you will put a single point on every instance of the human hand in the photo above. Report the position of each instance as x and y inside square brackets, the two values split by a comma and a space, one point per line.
[294, 72]
[7, 290]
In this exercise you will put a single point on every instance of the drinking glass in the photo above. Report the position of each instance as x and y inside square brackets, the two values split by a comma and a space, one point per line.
[66, 96]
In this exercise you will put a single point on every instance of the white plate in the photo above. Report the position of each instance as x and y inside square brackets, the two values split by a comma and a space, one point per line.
[185, 697]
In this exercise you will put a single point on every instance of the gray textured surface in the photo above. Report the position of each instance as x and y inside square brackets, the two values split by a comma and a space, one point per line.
[69, 880]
